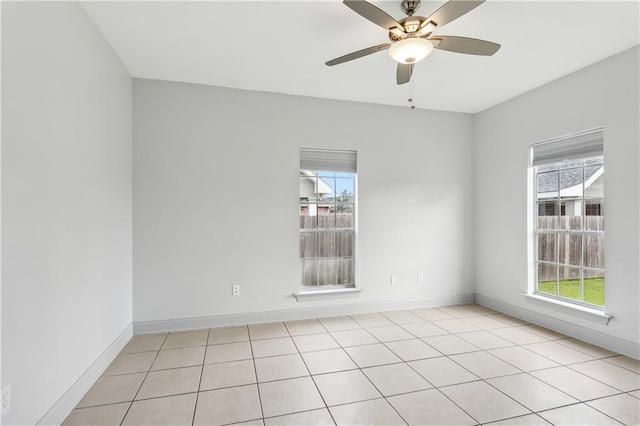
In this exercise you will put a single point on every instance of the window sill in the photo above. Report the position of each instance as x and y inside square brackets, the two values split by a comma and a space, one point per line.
[583, 311]
[307, 295]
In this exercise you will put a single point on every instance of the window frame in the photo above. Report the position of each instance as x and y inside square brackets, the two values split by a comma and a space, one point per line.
[559, 232]
[329, 288]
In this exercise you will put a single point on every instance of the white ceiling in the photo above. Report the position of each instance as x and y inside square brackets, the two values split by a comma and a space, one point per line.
[282, 46]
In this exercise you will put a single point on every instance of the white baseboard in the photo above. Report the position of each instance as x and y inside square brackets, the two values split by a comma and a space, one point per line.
[598, 338]
[143, 327]
[71, 397]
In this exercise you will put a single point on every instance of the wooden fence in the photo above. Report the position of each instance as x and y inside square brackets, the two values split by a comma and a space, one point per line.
[326, 221]
[569, 247]
[327, 256]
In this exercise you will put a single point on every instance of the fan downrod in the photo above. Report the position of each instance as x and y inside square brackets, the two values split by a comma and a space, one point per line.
[409, 7]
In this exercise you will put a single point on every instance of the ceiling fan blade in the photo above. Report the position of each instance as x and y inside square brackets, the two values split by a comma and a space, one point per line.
[470, 46]
[403, 73]
[358, 54]
[373, 14]
[452, 10]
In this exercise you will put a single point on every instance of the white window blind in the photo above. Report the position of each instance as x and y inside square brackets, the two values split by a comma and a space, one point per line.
[579, 145]
[330, 160]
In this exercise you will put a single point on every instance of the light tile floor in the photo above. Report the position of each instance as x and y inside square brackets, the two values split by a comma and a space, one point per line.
[455, 365]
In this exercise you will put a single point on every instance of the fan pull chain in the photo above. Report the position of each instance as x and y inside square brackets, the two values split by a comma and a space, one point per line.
[411, 96]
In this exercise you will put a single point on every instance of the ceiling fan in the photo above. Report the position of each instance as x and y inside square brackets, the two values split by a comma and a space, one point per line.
[412, 38]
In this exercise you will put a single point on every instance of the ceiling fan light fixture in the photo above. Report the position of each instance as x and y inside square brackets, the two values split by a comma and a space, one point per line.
[410, 50]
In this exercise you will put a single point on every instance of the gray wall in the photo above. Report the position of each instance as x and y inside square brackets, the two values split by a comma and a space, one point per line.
[604, 94]
[66, 201]
[216, 199]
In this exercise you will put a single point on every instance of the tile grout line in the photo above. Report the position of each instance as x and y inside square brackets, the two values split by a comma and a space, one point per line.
[577, 403]
[204, 356]
[528, 373]
[612, 363]
[485, 380]
[447, 396]
[600, 411]
[145, 378]
[145, 399]
[371, 382]
[593, 378]
[255, 369]
[160, 369]
[534, 377]
[326, 406]
[442, 393]
[578, 372]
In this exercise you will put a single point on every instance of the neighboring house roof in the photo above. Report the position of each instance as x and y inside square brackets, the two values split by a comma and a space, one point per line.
[322, 186]
[569, 178]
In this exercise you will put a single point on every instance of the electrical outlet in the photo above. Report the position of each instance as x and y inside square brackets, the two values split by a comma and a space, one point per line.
[235, 290]
[420, 277]
[6, 399]
[394, 279]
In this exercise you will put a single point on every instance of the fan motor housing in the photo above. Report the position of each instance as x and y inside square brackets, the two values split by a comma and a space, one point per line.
[411, 24]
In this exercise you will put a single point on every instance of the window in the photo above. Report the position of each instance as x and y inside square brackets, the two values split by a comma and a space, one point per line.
[569, 218]
[327, 218]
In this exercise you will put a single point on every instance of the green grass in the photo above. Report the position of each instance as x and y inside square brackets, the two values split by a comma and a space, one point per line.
[570, 289]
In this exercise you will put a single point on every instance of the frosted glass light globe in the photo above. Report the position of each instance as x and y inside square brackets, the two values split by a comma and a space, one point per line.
[410, 50]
